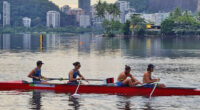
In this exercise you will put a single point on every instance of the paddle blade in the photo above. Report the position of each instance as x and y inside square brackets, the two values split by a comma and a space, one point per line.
[76, 96]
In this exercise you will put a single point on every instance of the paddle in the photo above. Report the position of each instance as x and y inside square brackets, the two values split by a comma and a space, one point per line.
[68, 79]
[75, 95]
[153, 90]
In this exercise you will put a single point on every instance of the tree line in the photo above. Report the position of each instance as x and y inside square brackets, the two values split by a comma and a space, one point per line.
[178, 22]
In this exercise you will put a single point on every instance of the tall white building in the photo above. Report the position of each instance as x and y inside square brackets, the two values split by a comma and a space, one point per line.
[6, 13]
[84, 21]
[53, 19]
[124, 7]
[26, 22]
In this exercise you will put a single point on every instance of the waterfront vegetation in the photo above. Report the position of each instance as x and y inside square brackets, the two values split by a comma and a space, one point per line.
[112, 26]
[136, 25]
[68, 29]
[179, 23]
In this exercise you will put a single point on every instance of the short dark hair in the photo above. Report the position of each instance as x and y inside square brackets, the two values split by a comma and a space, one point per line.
[76, 63]
[127, 67]
[39, 63]
[150, 66]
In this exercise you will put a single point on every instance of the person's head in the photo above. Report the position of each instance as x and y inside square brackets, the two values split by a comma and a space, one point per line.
[150, 67]
[39, 63]
[77, 65]
[127, 69]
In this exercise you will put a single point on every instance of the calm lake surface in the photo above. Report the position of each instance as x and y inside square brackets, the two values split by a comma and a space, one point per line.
[177, 62]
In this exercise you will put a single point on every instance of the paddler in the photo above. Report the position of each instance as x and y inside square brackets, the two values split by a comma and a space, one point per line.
[123, 79]
[35, 74]
[74, 73]
[148, 80]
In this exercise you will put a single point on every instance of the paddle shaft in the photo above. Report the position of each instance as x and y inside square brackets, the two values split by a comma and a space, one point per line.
[153, 90]
[68, 79]
[77, 86]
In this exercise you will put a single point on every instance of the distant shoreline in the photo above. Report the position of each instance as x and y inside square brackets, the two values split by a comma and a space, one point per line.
[69, 29]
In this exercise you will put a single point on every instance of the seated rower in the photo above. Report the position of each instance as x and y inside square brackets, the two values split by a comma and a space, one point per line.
[35, 74]
[74, 73]
[147, 79]
[123, 79]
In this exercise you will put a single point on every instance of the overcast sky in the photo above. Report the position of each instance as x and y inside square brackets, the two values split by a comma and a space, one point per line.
[74, 3]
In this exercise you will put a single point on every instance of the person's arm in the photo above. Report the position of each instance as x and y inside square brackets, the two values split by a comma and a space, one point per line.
[81, 76]
[43, 77]
[71, 73]
[156, 80]
[134, 79]
[147, 79]
[30, 75]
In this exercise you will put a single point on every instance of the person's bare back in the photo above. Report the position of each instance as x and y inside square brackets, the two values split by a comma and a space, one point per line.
[122, 76]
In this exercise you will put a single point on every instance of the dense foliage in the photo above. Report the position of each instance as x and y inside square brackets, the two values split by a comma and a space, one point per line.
[36, 10]
[103, 7]
[67, 29]
[181, 23]
[110, 26]
[136, 26]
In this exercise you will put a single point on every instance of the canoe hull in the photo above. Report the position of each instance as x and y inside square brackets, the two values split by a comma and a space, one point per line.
[99, 89]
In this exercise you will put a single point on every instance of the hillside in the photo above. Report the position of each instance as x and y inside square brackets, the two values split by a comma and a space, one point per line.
[36, 10]
[163, 5]
[169, 5]
[138, 5]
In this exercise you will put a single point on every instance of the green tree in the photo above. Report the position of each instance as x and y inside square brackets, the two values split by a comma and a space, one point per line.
[177, 13]
[179, 23]
[103, 8]
[113, 10]
[100, 8]
[126, 28]
[167, 26]
[111, 27]
[138, 25]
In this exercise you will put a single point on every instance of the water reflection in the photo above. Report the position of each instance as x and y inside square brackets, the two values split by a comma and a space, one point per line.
[52, 41]
[6, 41]
[74, 102]
[87, 43]
[27, 41]
[131, 103]
[35, 101]
[84, 43]
[147, 106]
[124, 105]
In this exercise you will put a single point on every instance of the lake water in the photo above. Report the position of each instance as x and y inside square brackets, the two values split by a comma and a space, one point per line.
[177, 62]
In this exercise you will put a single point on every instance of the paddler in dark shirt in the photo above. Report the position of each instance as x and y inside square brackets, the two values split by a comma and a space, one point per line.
[35, 74]
[74, 73]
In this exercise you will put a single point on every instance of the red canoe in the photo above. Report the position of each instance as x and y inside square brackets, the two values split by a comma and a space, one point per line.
[99, 89]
